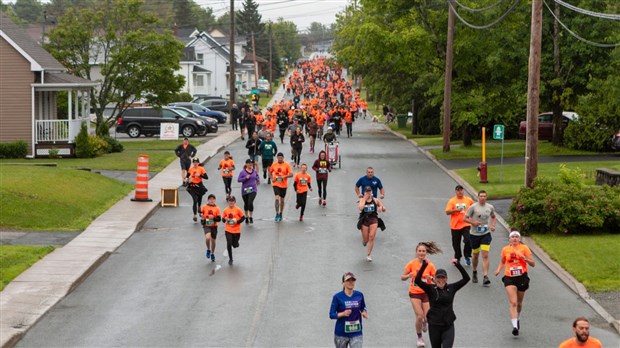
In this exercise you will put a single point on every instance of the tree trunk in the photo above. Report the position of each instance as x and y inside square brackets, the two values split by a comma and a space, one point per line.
[558, 89]
[467, 136]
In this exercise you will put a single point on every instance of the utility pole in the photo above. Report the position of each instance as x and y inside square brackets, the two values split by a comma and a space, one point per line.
[447, 92]
[533, 87]
[255, 65]
[270, 61]
[231, 76]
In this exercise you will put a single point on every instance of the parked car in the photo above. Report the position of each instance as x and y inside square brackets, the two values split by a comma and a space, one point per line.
[615, 141]
[216, 105]
[545, 124]
[199, 98]
[202, 110]
[211, 123]
[148, 120]
[263, 85]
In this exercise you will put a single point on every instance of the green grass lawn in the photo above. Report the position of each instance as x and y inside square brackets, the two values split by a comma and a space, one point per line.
[596, 263]
[513, 176]
[55, 198]
[14, 259]
[515, 148]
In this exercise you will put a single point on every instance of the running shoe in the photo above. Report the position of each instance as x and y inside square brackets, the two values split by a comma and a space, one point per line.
[301, 218]
[324, 202]
[208, 254]
[251, 220]
[195, 218]
[474, 278]
[230, 262]
[264, 175]
[364, 243]
[213, 257]
[247, 221]
[277, 217]
[468, 261]
[486, 281]
[297, 206]
[369, 258]
[421, 342]
[320, 201]
[515, 331]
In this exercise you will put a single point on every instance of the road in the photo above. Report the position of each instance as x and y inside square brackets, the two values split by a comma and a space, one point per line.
[159, 290]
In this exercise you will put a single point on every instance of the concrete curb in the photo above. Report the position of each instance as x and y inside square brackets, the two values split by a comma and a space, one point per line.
[560, 272]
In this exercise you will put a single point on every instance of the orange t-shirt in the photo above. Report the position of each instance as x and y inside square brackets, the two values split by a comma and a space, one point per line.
[195, 174]
[279, 174]
[590, 343]
[413, 267]
[270, 123]
[227, 167]
[302, 181]
[232, 213]
[212, 210]
[515, 266]
[456, 219]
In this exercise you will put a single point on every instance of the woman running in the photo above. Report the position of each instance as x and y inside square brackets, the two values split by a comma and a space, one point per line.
[348, 308]
[322, 167]
[249, 180]
[196, 188]
[369, 220]
[440, 316]
[419, 299]
[297, 140]
[227, 165]
[210, 217]
[516, 257]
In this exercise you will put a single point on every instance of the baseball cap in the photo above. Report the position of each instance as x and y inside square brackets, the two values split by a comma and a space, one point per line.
[211, 196]
[347, 276]
[196, 159]
[458, 187]
[231, 199]
[441, 273]
[248, 161]
[280, 154]
[368, 188]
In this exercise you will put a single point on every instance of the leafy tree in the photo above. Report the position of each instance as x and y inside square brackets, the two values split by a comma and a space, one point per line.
[31, 11]
[58, 8]
[137, 62]
[286, 39]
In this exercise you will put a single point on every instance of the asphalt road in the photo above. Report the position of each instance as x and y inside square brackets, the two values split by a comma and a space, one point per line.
[159, 290]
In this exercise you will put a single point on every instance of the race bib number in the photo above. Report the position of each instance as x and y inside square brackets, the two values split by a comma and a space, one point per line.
[231, 222]
[516, 271]
[461, 206]
[209, 222]
[248, 190]
[303, 181]
[482, 228]
[322, 170]
[352, 326]
[369, 208]
[226, 171]
[279, 179]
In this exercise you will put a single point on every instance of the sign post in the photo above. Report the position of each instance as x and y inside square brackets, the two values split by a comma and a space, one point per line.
[498, 133]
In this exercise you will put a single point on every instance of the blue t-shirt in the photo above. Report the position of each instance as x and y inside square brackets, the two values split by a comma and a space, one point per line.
[374, 183]
[352, 325]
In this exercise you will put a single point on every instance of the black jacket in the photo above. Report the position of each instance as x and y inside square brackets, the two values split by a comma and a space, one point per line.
[441, 312]
[252, 145]
[185, 154]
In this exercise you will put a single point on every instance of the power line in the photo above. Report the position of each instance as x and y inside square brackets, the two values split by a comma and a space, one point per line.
[577, 36]
[478, 9]
[484, 26]
[614, 17]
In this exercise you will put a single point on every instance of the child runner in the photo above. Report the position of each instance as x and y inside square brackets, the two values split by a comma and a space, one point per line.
[227, 165]
[232, 216]
[301, 184]
[210, 217]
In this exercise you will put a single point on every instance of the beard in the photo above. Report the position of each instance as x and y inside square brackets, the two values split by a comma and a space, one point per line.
[582, 337]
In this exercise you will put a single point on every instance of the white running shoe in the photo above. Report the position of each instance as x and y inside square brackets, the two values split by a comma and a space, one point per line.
[421, 342]
[369, 258]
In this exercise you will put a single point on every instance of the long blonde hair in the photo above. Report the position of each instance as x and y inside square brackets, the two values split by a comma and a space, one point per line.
[431, 247]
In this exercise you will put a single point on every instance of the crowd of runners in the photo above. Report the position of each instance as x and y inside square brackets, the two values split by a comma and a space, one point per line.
[321, 102]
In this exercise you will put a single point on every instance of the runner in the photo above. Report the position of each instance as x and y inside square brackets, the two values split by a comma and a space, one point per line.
[227, 165]
[232, 216]
[440, 316]
[312, 128]
[196, 188]
[297, 140]
[582, 339]
[370, 180]
[185, 152]
[253, 146]
[210, 217]
[248, 177]
[282, 123]
[481, 216]
[329, 136]
[419, 299]
[279, 172]
[301, 184]
[322, 166]
[267, 149]
[369, 221]
[516, 257]
[456, 208]
[348, 121]
[348, 308]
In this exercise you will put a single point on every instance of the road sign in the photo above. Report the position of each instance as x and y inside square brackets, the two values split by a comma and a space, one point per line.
[498, 132]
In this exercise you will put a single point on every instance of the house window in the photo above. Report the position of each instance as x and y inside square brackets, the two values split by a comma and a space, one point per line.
[199, 81]
[201, 58]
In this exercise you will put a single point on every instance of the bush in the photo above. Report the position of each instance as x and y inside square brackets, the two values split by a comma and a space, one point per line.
[16, 149]
[114, 145]
[183, 97]
[103, 130]
[53, 153]
[566, 207]
[83, 147]
[586, 134]
[98, 145]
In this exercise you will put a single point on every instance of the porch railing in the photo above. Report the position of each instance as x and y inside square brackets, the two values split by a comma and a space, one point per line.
[57, 130]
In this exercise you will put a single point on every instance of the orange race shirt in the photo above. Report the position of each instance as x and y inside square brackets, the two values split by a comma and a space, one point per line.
[456, 219]
[195, 174]
[302, 181]
[209, 212]
[279, 173]
[590, 343]
[413, 267]
[515, 266]
[227, 167]
[232, 213]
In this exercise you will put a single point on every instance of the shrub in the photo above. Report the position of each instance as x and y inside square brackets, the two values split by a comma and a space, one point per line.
[566, 207]
[183, 97]
[586, 134]
[98, 145]
[53, 153]
[103, 130]
[16, 149]
[114, 145]
[83, 147]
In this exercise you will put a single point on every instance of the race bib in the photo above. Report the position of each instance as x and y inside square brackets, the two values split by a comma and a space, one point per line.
[461, 206]
[516, 271]
[226, 171]
[209, 222]
[322, 170]
[303, 181]
[248, 190]
[231, 222]
[352, 326]
[482, 228]
[279, 179]
[369, 208]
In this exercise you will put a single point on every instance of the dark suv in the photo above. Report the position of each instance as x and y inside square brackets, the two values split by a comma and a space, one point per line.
[147, 121]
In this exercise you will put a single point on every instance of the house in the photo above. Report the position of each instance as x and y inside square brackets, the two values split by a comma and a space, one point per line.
[30, 83]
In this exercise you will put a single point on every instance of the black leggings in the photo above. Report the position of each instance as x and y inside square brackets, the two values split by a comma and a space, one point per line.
[456, 242]
[349, 129]
[232, 241]
[248, 201]
[282, 133]
[227, 183]
[301, 201]
[441, 336]
[296, 155]
[322, 184]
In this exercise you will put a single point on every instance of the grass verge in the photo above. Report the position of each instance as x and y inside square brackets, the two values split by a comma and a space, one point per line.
[513, 176]
[596, 267]
[55, 199]
[14, 259]
[513, 148]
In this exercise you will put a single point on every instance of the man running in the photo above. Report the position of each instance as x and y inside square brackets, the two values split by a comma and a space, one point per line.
[582, 339]
[185, 152]
[481, 216]
[227, 165]
[232, 216]
[279, 172]
[369, 180]
[456, 208]
[267, 150]
[210, 217]
[301, 184]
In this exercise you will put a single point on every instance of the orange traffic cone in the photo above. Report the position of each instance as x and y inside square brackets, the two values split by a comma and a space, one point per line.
[142, 180]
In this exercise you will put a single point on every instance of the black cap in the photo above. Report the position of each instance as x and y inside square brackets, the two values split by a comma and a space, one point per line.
[231, 199]
[280, 154]
[248, 161]
[458, 187]
[211, 196]
[441, 273]
[368, 188]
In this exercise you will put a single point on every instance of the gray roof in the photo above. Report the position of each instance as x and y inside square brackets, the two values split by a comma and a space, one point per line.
[200, 69]
[28, 45]
[64, 78]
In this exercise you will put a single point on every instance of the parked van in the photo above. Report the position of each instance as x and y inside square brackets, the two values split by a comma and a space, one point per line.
[148, 120]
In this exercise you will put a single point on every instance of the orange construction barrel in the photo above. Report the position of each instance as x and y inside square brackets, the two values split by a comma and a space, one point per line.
[142, 180]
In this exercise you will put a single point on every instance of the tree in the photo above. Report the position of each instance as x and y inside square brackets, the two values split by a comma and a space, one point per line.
[286, 39]
[58, 8]
[137, 62]
[30, 11]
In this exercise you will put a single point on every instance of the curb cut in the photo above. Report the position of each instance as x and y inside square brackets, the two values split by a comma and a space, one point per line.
[560, 272]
